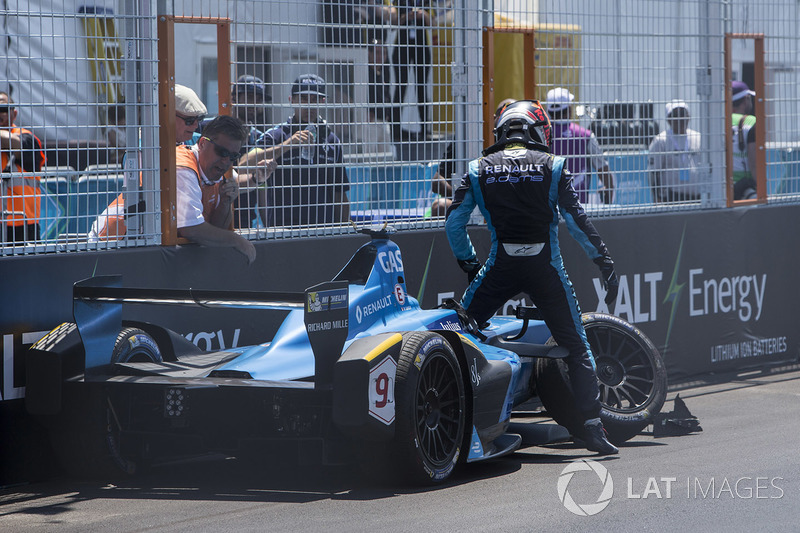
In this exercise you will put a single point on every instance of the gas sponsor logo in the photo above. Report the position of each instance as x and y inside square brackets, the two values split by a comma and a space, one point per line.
[391, 261]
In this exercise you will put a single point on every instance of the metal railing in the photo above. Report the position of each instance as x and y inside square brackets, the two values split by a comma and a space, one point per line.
[401, 87]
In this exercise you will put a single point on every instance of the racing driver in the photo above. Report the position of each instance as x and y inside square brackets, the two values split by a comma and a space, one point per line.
[520, 188]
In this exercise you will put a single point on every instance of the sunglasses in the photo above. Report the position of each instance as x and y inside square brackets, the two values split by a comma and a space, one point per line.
[6, 109]
[190, 121]
[225, 153]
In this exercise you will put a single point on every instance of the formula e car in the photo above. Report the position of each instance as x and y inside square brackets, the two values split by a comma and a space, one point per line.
[356, 372]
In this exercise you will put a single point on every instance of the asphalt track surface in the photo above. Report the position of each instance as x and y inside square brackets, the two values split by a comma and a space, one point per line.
[741, 473]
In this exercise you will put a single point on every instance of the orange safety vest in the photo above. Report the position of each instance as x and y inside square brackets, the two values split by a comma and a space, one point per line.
[184, 157]
[115, 227]
[24, 203]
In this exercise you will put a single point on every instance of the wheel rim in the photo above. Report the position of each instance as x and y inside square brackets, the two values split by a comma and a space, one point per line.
[624, 370]
[439, 409]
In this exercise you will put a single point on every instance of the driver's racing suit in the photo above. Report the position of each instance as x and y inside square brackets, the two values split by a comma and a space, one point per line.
[520, 193]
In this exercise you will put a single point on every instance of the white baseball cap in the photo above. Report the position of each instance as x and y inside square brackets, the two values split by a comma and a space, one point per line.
[675, 104]
[559, 99]
[187, 103]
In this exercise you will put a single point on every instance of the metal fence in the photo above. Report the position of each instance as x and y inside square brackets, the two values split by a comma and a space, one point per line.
[408, 88]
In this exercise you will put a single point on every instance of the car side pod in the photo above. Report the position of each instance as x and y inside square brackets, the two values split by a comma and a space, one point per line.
[363, 387]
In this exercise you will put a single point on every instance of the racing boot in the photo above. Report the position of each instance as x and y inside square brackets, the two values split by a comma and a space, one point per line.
[597, 438]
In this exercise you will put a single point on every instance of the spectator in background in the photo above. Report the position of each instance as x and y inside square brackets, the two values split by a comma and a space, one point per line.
[579, 147]
[380, 83]
[189, 112]
[412, 51]
[21, 152]
[249, 97]
[310, 185]
[744, 141]
[204, 195]
[674, 159]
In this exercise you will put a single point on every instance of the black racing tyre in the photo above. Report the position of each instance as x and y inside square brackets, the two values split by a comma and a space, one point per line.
[134, 345]
[88, 439]
[430, 409]
[633, 380]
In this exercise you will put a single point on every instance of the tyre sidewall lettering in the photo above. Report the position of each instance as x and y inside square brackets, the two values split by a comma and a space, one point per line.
[426, 349]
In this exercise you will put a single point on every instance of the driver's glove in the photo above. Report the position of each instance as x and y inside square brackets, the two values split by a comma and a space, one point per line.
[471, 267]
[610, 279]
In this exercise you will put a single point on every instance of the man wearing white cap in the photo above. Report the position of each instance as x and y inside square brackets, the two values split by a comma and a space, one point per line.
[579, 147]
[744, 141]
[674, 160]
[189, 112]
[111, 225]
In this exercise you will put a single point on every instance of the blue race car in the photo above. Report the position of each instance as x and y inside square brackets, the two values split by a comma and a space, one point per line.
[356, 372]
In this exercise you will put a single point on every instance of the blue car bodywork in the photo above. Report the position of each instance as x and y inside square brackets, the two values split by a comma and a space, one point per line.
[347, 365]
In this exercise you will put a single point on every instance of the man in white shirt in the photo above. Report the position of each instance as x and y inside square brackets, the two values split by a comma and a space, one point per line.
[674, 160]
[204, 196]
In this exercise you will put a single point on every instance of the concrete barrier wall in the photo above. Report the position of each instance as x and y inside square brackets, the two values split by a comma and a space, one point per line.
[715, 291]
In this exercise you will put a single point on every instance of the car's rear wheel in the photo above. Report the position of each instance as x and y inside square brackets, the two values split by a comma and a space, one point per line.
[89, 439]
[631, 375]
[431, 408]
[134, 345]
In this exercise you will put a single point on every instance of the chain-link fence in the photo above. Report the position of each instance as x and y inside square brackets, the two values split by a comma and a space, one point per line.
[368, 111]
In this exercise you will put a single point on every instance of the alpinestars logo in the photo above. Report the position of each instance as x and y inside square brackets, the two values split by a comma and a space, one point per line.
[585, 509]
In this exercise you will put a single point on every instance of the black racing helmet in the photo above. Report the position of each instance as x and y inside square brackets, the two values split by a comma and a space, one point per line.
[524, 121]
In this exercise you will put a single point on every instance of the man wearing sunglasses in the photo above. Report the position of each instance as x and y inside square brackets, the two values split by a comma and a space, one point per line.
[189, 113]
[204, 197]
[111, 224]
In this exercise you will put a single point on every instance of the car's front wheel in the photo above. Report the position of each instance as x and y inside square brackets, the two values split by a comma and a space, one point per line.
[431, 408]
[631, 375]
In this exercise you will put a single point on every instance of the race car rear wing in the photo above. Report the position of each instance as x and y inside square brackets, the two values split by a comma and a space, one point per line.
[97, 308]
[91, 292]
